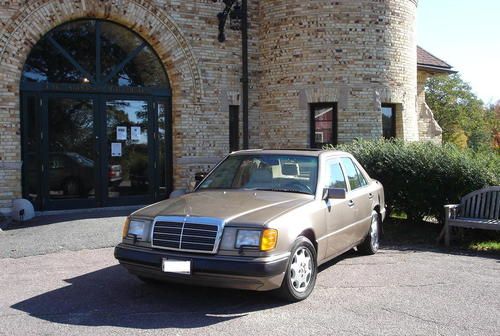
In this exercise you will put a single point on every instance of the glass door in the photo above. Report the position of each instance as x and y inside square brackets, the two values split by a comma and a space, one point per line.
[128, 151]
[69, 160]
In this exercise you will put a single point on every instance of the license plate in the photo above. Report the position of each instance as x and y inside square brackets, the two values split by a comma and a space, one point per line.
[176, 266]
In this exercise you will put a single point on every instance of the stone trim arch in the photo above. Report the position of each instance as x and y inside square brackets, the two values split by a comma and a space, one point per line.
[35, 19]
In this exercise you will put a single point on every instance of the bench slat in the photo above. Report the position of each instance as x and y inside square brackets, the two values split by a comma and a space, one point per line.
[482, 205]
[471, 224]
[487, 203]
[467, 207]
[497, 206]
[478, 205]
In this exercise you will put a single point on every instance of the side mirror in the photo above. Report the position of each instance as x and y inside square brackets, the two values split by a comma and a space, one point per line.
[334, 193]
[194, 181]
[198, 177]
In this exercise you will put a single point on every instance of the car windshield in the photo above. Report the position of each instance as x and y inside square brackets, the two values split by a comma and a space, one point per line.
[80, 159]
[271, 172]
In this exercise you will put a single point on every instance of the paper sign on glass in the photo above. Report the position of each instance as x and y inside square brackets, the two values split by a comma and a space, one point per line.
[116, 149]
[135, 133]
[121, 133]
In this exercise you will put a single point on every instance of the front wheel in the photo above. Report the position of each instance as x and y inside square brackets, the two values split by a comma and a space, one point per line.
[371, 243]
[300, 276]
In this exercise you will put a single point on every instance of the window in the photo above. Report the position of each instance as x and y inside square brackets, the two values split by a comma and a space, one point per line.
[389, 121]
[323, 124]
[234, 128]
[356, 178]
[94, 53]
[336, 178]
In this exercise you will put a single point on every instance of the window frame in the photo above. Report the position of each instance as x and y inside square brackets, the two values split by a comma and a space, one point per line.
[359, 173]
[393, 107]
[328, 164]
[312, 124]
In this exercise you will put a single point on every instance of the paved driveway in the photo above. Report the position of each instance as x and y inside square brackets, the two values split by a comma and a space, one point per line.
[396, 292]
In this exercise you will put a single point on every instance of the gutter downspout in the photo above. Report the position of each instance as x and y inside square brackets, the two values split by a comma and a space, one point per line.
[244, 78]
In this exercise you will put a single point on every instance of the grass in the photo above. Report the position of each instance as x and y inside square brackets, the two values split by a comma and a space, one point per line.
[491, 246]
[400, 231]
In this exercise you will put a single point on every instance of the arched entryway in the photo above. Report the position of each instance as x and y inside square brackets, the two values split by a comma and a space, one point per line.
[96, 119]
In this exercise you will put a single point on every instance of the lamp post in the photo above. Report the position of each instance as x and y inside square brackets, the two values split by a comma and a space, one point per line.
[238, 16]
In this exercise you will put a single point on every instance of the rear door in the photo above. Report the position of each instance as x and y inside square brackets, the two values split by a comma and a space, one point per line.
[359, 198]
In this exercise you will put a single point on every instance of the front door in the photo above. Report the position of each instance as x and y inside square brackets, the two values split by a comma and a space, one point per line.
[84, 151]
[129, 152]
[96, 130]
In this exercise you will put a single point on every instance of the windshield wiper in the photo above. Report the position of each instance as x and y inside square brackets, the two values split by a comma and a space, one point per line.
[282, 190]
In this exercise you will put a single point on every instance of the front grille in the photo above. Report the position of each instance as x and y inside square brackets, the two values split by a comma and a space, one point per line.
[191, 237]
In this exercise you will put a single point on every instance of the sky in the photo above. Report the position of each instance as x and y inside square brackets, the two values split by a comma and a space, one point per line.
[466, 35]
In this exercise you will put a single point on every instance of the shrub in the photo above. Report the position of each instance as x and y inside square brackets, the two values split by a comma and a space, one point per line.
[419, 178]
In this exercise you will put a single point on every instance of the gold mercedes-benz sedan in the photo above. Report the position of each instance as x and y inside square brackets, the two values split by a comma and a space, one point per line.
[260, 220]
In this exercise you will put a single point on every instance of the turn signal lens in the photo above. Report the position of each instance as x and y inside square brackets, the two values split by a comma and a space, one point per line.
[125, 228]
[269, 239]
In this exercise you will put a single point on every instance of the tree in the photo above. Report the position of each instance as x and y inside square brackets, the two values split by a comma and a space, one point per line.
[458, 111]
[494, 118]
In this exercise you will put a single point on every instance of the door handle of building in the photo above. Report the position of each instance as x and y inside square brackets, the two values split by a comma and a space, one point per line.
[370, 196]
[350, 203]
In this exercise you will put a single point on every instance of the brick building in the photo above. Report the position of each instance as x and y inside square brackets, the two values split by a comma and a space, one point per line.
[118, 102]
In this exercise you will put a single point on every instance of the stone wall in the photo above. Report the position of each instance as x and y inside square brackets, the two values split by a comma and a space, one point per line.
[204, 74]
[359, 54]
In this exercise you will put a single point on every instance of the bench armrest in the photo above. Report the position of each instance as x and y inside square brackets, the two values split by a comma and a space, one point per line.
[451, 210]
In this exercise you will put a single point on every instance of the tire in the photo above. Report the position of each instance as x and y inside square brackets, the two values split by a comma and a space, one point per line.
[148, 281]
[370, 244]
[300, 276]
[72, 187]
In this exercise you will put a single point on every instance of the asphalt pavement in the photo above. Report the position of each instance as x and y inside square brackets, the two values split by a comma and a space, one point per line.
[66, 282]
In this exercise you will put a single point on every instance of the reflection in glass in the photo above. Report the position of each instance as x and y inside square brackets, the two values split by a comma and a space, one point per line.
[323, 119]
[119, 64]
[128, 167]
[388, 122]
[71, 148]
[31, 151]
[46, 64]
[162, 138]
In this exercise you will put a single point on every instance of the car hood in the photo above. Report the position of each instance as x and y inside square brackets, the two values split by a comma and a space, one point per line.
[240, 207]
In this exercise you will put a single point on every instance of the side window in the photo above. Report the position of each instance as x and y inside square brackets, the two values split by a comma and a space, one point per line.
[355, 177]
[336, 177]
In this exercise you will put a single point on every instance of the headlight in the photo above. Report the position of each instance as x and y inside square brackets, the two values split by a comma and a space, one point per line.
[139, 228]
[247, 238]
[265, 240]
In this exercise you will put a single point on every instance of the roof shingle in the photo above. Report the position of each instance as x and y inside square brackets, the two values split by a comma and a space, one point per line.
[427, 61]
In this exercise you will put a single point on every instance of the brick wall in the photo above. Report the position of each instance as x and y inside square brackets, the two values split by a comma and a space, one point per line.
[358, 53]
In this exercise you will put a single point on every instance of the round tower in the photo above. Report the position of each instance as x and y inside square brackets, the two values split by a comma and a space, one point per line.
[357, 55]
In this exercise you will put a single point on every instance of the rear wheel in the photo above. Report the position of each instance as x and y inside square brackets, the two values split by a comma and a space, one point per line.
[300, 276]
[72, 187]
[371, 243]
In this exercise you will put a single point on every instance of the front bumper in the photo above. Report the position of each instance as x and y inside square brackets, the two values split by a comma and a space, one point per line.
[260, 274]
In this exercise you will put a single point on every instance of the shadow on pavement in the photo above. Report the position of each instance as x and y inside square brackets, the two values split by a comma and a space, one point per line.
[457, 250]
[112, 297]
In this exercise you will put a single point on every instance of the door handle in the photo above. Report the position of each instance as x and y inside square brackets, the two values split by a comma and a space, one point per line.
[370, 196]
[350, 203]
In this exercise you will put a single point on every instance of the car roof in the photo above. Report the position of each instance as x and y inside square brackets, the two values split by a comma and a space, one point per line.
[302, 152]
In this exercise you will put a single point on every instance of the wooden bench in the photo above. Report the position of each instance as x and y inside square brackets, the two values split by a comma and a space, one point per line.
[478, 210]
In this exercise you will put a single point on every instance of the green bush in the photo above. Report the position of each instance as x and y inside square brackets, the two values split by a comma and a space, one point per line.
[419, 178]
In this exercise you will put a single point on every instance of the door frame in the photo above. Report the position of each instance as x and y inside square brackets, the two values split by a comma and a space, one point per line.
[101, 149]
